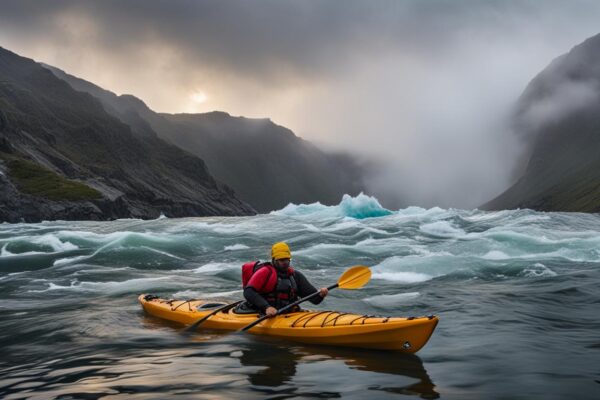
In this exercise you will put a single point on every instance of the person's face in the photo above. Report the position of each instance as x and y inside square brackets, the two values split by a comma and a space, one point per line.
[282, 263]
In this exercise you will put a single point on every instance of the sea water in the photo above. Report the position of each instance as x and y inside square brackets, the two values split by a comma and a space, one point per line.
[517, 293]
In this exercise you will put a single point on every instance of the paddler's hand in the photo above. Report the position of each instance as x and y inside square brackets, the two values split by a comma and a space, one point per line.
[323, 292]
[271, 312]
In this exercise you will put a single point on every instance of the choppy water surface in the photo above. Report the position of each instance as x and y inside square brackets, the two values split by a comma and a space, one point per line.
[518, 294]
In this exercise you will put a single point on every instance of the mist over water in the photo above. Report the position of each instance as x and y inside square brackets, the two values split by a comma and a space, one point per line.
[516, 291]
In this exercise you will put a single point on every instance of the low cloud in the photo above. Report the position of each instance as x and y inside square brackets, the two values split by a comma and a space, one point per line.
[566, 97]
[424, 88]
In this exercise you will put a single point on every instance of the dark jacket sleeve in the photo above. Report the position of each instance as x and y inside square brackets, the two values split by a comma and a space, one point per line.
[255, 298]
[305, 288]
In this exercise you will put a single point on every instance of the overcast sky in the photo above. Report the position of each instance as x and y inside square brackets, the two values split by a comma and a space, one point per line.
[425, 86]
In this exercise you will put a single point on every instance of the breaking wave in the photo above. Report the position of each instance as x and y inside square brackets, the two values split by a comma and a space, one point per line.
[359, 207]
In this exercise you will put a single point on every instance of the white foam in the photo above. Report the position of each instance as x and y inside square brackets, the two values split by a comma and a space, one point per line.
[347, 223]
[189, 294]
[387, 245]
[495, 255]
[368, 245]
[48, 240]
[116, 237]
[538, 270]
[54, 242]
[441, 228]
[70, 260]
[323, 246]
[18, 273]
[573, 255]
[53, 286]
[107, 240]
[418, 214]
[352, 223]
[423, 252]
[212, 268]
[293, 210]
[378, 231]
[194, 227]
[541, 237]
[13, 274]
[131, 285]
[6, 253]
[233, 226]
[311, 228]
[390, 300]
[403, 277]
[487, 215]
[236, 246]
[164, 253]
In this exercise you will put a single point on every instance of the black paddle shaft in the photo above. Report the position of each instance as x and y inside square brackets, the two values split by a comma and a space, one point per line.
[226, 307]
[286, 308]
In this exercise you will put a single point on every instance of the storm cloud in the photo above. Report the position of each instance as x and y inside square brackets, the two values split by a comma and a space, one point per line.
[426, 88]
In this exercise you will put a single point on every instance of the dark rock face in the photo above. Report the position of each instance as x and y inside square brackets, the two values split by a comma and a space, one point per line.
[266, 164]
[44, 120]
[19, 207]
[558, 117]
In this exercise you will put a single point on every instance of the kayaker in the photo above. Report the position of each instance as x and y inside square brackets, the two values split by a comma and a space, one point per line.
[273, 285]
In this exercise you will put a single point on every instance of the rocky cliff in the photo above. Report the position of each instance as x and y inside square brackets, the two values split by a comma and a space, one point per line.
[558, 119]
[63, 156]
[266, 164]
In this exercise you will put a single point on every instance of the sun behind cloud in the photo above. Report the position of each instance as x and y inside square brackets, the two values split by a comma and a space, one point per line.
[199, 97]
[196, 101]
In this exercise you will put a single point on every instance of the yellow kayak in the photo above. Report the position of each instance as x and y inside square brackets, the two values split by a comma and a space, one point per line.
[334, 328]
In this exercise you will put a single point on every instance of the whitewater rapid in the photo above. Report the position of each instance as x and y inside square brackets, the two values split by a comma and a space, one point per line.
[402, 247]
[508, 286]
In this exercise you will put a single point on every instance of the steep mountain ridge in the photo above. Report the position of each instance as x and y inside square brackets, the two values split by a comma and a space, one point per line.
[266, 164]
[558, 118]
[68, 134]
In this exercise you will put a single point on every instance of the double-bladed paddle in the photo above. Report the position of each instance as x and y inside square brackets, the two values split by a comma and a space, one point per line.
[353, 278]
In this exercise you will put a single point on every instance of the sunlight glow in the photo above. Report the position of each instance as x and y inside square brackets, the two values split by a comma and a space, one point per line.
[199, 97]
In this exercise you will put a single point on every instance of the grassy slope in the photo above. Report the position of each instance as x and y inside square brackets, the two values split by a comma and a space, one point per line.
[38, 181]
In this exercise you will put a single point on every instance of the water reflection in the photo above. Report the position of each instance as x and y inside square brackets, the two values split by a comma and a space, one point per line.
[278, 367]
[153, 361]
[292, 367]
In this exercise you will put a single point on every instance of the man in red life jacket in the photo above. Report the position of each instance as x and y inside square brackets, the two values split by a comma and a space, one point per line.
[271, 286]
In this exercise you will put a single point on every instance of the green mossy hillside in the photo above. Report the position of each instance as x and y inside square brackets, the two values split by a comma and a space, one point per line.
[38, 181]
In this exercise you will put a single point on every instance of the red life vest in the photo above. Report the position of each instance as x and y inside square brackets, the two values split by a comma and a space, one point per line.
[278, 289]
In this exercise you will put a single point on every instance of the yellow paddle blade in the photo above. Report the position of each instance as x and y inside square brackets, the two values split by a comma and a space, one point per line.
[355, 277]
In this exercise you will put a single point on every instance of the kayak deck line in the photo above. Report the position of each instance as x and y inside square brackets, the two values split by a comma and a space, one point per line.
[406, 334]
[332, 322]
[300, 318]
